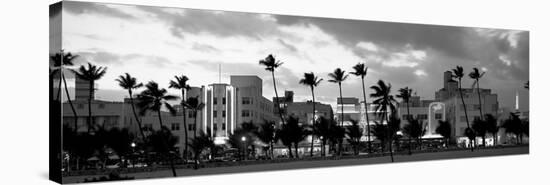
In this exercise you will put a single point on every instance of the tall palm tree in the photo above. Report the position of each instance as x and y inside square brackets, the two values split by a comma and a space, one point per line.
[59, 61]
[322, 129]
[130, 83]
[312, 81]
[195, 105]
[154, 98]
[384, 103]
[405, 94]
[458, 74]
[284, 134]
[180, 83]
[361, 70]
[338, 76]
[90, 74]
[476, 75]
[297, 132]
[270, 65]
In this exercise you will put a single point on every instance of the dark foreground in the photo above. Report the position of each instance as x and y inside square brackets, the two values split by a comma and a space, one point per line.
[319, 163]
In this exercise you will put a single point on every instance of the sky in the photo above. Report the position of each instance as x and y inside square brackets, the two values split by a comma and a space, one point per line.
[156, 43]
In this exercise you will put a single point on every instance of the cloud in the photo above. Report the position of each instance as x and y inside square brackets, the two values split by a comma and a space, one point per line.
[94, 8]
[205, 48]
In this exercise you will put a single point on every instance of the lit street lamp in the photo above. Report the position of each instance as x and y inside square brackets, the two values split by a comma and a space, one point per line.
[133, 145]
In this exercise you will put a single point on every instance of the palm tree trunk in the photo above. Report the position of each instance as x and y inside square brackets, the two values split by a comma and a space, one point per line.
[312, 123]
[341, 142]
[410, 152]
[136, 116]
[166, 145]
[70, 103]
[480, 104]
[184, 124]
[277, 98]
[390, 135]
[195, 127]
[290, 151]
[369, 144]
[59, 85]
[296, 149]
[91, 83]
[465, 109]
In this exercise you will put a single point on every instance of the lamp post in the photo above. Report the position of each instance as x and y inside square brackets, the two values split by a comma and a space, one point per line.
[133, 145]
[243, 139]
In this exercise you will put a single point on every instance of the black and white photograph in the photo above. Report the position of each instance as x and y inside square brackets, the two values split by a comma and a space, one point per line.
[141, 92]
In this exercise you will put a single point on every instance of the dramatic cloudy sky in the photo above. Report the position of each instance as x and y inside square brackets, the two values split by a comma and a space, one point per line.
[155, 43]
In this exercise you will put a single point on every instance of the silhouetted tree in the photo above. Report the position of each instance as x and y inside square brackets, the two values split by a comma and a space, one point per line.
[59, 61]
[458, 74]
[266, 134]
[384, 103]
[90, 74]
[312, 81]
[380, 131]
[514, 126]
[354, 134]
[414, 130]
[270, 65]
[180, 83]
[195, 105]
[480, 127]
[492, 127]
[130, 83]
[154, 98]
[235, 140]
[284, 134]
[476, 75]
[405, 94]
[199, 144]
[444, 129]
[361, 70]
[322, 129]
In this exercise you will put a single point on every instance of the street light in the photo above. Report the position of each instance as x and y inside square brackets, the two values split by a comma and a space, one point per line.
[133, 145]
[243, 139]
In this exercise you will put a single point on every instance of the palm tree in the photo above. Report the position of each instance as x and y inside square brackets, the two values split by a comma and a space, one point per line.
[414, 130]
[284, 134]
[180, 83]
[444, 129]
[337, 133]
[492, 127]
[199, 144]
[384, 101]
[476, 75]
[154, 98]
[90, 74]
[480, 129]
[270, 65]
[405, 94]
[130, 83]
[266, 134]
[361, 70]
[513, 125]
[59, 60]
[195, 105]
[322, 129]
[458, 74]
[354, 134]
[312, 81]
[338, 76]
[380, 131]
[297, 132]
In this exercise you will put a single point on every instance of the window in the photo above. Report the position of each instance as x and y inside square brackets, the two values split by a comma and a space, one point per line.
[495, 107]
[245, 113]
[80, 106]
[223, 100]
[215, 114]
[101, 106]
[215, 100]
[215, 127]
[438, 116]
[191, 127]
[177, 138]
[476, 107]
[422, 116]
[191, 114]
[175, 126]
[148, 127]
[223, 114]
[476, 117]
[247, 100]
[223, 126]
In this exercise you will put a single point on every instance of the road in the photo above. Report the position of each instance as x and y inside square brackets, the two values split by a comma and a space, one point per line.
[320, 163]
